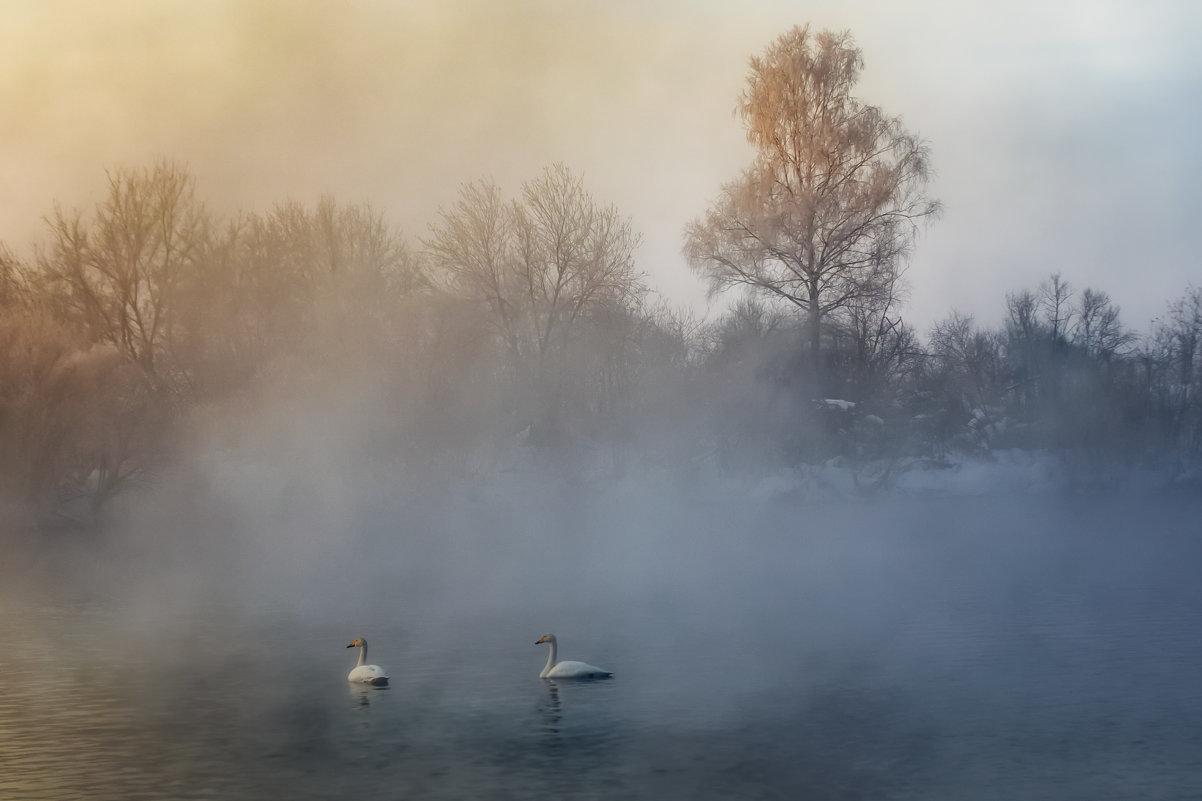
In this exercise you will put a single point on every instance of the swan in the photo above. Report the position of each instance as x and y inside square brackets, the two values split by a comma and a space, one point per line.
[363, 672]
[567, 670]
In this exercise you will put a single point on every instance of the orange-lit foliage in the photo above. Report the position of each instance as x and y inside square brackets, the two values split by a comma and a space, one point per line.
[825, 215]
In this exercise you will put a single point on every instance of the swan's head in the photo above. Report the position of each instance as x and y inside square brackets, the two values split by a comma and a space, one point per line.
[358, 643]
[545, 638]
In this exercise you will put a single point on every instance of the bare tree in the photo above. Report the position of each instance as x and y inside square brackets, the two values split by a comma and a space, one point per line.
[744, 329]
[358, 267]
[970, 360]
[289, 281]
[1022, 316]
[119, 272]
[14, 283]
[472, 245]
[66, 408]
[828, 211]
[1098, 329]
[874, 339]
[1055, 295]
[1176, 349]
[539, 264]
[1183, 331]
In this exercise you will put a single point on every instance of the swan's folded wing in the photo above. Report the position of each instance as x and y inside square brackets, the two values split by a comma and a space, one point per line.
[368, 674]
[577, 670]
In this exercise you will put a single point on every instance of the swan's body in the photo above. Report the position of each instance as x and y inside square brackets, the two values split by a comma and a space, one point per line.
[364, 673]
[567, 669]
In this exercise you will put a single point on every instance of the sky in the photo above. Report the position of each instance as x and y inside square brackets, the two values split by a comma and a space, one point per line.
[1066, 136]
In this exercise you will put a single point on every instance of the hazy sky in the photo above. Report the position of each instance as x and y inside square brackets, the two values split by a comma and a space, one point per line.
[1067, 136]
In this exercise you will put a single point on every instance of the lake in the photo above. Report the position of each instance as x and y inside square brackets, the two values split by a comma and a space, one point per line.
[920, 649]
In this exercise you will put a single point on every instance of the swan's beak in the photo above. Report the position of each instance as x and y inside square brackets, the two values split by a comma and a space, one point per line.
[352, 645]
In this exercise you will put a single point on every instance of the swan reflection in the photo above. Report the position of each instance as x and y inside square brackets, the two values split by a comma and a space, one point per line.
[550, 709]
[361, 694]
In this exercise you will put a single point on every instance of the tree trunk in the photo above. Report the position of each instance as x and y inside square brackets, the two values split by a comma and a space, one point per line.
[814, 330]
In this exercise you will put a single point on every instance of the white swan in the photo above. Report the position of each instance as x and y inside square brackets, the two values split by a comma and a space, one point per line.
[363, 672]
[567, 670]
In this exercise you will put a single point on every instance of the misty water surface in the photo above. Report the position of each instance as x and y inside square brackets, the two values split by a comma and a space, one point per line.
[921, 648]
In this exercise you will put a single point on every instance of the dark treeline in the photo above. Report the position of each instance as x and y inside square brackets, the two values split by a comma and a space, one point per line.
[146, 326]
[524, 324]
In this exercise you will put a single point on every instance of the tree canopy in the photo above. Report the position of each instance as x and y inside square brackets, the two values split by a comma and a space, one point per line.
[827, 212]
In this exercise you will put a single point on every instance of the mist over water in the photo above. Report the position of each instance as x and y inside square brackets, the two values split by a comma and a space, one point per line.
[1032, 646]
[826, 554]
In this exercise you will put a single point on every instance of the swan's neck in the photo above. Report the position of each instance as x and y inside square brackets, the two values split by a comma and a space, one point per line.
[362, 655]
[551, 659]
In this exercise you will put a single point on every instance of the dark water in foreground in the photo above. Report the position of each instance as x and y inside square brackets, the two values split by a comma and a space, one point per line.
[968, 653]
